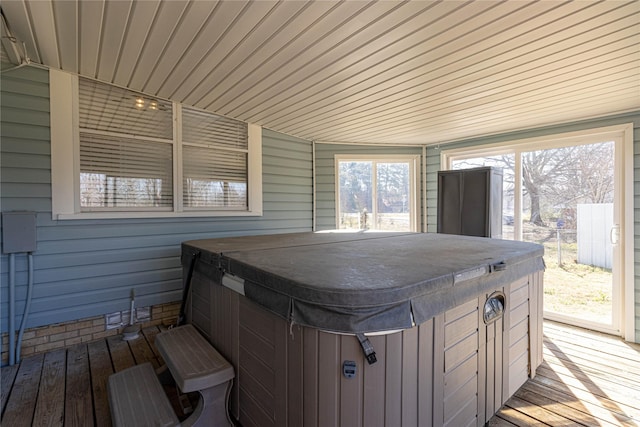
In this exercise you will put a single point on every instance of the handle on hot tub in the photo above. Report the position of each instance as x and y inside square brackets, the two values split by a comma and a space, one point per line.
[499, 266]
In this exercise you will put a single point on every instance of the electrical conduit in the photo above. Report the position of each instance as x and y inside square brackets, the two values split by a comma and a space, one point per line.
[27, 307]
[12, 309]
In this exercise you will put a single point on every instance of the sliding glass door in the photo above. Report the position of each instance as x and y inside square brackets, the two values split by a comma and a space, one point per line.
[566, 195]
[569, 207]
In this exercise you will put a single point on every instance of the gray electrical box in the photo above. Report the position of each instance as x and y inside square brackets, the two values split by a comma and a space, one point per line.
[18, 232]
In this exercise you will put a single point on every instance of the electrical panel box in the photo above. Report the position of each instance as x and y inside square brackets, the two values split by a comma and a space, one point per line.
[18, 232]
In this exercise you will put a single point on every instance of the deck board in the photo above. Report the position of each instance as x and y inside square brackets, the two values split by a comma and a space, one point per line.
[22, 401]
[559, 409]
[121, 355]
[587, 378]
[78, 400]
[613, 407]
[101, 368]
[142, 352]
[7, 376]
[51, 395]
[150, 336]
[605, 416]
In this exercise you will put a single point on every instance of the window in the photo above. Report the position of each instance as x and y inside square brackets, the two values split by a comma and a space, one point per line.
[215, 161]
[119, 153]
[376, 193]
[126, 149]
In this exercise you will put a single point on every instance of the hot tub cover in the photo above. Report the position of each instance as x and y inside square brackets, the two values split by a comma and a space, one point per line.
[363, 282]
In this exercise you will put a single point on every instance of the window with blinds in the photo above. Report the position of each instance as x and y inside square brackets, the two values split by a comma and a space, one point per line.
[127, 150]
[108, 108]
[214, 153]
[119, 172]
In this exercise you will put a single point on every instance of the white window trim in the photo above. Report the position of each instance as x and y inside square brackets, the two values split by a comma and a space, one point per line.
[585, 136]
[65, 162]
[414, 172]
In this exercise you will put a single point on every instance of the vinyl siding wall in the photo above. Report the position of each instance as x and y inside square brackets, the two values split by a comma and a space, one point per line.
[86, 268]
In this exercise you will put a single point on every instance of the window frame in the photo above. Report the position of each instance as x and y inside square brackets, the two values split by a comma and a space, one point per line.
[414, 163]
[65, 163]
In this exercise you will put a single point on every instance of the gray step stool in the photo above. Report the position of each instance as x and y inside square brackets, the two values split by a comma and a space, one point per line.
[137, 398]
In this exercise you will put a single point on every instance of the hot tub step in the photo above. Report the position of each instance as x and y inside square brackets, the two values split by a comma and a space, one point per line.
[137, 399]
[196, 365]
[193, 362]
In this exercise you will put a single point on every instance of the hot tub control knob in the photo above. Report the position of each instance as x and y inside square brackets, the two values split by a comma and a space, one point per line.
[349, 368]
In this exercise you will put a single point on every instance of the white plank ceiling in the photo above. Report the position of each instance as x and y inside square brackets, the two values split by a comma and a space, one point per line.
[417, 72]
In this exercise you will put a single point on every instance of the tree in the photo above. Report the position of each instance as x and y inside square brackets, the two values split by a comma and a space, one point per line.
[392, 187]
[566, 176]
[540, 169]
[556, 178]
[355, 186]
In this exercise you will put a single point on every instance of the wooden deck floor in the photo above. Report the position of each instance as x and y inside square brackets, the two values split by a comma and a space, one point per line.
[587, 379]
[69, 386]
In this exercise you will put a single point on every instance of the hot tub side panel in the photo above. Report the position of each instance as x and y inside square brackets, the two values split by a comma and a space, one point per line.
[523, 352]
[458, 356]
[291, 375]
[451, 370]
[266, 359]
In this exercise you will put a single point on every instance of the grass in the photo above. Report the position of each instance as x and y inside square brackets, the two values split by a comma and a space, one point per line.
[572, 289]
[579, 291]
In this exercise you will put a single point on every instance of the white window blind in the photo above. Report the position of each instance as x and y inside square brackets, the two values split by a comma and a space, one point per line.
[109, 108]
[214, 178]
[124, 172]
[215, 150]
[208, 129]
[126, 149]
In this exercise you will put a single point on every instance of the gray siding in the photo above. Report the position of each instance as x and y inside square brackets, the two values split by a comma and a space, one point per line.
[85, 268]
[433, 165]
[325, 176]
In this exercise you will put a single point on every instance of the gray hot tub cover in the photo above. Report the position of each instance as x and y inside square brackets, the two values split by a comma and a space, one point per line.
[364, 282]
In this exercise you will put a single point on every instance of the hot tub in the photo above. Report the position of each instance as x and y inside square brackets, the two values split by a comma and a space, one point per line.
[369, 329]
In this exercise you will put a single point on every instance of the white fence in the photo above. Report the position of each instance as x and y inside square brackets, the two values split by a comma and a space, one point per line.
[595, 222]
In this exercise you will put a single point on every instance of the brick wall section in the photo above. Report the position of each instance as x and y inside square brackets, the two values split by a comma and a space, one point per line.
[60, 335]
